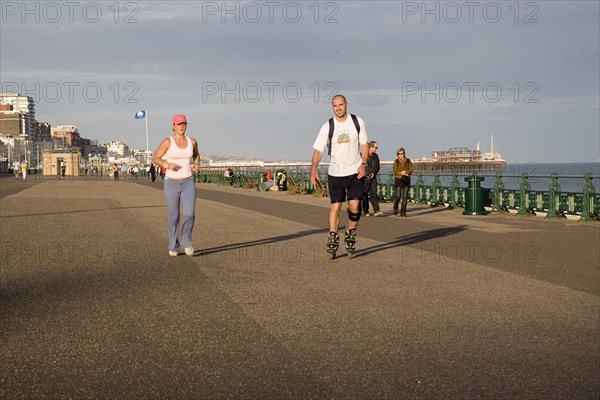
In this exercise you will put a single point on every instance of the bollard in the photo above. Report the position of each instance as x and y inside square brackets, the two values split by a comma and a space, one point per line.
[474, 196]
[553, 198]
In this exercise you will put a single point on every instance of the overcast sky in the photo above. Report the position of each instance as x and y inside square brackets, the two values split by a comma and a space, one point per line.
[256, 78]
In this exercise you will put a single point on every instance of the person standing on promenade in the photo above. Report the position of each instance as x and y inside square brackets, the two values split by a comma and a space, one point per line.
[16, 169]
[370, 193]
[152, 172]
[231, 177]
[63, 171]
[342, 135]
[403, 169]
[179, 186]
[24, 170]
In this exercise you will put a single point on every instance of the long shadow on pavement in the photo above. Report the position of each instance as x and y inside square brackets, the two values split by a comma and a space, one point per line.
[79, 211]
[275, 239]
[423, 211]
[411, 239]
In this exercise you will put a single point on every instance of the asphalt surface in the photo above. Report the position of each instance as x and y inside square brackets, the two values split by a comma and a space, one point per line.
[436, 305]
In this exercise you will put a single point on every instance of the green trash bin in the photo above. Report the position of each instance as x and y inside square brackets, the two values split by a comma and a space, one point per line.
[474, 196]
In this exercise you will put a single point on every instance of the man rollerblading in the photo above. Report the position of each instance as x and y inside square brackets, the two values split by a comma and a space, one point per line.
[345, 138]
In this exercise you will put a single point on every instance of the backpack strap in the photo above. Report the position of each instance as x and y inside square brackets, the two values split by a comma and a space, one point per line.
[330, 136]
[356, 124]
[331, 127]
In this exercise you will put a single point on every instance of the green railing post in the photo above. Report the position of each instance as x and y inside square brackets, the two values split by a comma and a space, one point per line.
[524, 190]
[380, 189]
[454, 186]
[389, 187]
[419, 190]
[435, 198]
[553, 198]
[498, 193]
[310, 188]
[588, 200]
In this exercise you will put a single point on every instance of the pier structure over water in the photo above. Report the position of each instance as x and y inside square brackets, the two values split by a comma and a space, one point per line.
[458, 167]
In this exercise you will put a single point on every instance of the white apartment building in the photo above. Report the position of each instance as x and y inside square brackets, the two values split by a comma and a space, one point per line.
[23, 105]
[15, 148]
[117, 149]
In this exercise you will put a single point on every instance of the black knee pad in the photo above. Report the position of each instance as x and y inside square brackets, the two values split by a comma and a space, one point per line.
[354, 217]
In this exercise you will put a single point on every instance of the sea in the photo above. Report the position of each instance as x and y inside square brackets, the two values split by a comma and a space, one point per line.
[570, 176]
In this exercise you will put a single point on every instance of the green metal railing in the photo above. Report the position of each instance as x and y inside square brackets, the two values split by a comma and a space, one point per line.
[527, 202]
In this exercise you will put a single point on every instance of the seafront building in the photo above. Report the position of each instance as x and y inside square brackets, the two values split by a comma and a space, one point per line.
[66, 136]
[117, 149]
[17, 126]
[17, 114]
[47, 148]
[22, 137]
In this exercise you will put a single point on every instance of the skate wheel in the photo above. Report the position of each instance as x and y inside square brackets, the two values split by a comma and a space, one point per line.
[350, 254]
[332, 256]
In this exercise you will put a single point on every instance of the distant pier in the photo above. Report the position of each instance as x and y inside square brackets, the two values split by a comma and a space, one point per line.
[457, 166]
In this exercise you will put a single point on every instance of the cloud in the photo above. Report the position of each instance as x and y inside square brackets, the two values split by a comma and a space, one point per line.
[416, 77]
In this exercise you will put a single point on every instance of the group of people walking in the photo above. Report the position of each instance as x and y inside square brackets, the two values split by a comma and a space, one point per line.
[352, 177]
[20, 167]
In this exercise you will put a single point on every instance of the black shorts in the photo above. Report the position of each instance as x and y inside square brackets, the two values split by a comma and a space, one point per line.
[340, 186]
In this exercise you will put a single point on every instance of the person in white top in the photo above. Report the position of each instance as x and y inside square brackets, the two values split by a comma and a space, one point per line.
[182, 158]
[16, 168]
[346, 137]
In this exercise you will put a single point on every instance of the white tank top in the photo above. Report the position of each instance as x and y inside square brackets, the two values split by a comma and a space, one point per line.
[181, 157]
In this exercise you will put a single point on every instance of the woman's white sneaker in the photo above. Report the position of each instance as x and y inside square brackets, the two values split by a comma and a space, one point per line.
[172, 253]
[189, 251]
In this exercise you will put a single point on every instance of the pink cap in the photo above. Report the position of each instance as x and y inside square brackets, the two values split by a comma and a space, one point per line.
[178, 119]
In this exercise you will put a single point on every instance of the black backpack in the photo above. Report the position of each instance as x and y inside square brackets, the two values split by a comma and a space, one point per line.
[331, 126]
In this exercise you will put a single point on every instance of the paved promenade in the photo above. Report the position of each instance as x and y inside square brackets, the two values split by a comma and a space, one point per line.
[434, 306]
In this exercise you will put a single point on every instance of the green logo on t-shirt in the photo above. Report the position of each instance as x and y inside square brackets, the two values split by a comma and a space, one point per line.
[343, 137]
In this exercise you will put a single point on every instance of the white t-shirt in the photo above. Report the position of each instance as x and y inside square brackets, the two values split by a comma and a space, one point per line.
[345, 149]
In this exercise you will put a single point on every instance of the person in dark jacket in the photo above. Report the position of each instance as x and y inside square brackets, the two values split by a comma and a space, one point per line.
[370, 187]
[152, 172]
[403, 169]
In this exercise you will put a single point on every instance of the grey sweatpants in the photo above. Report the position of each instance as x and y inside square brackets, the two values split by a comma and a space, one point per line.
[185, 191]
